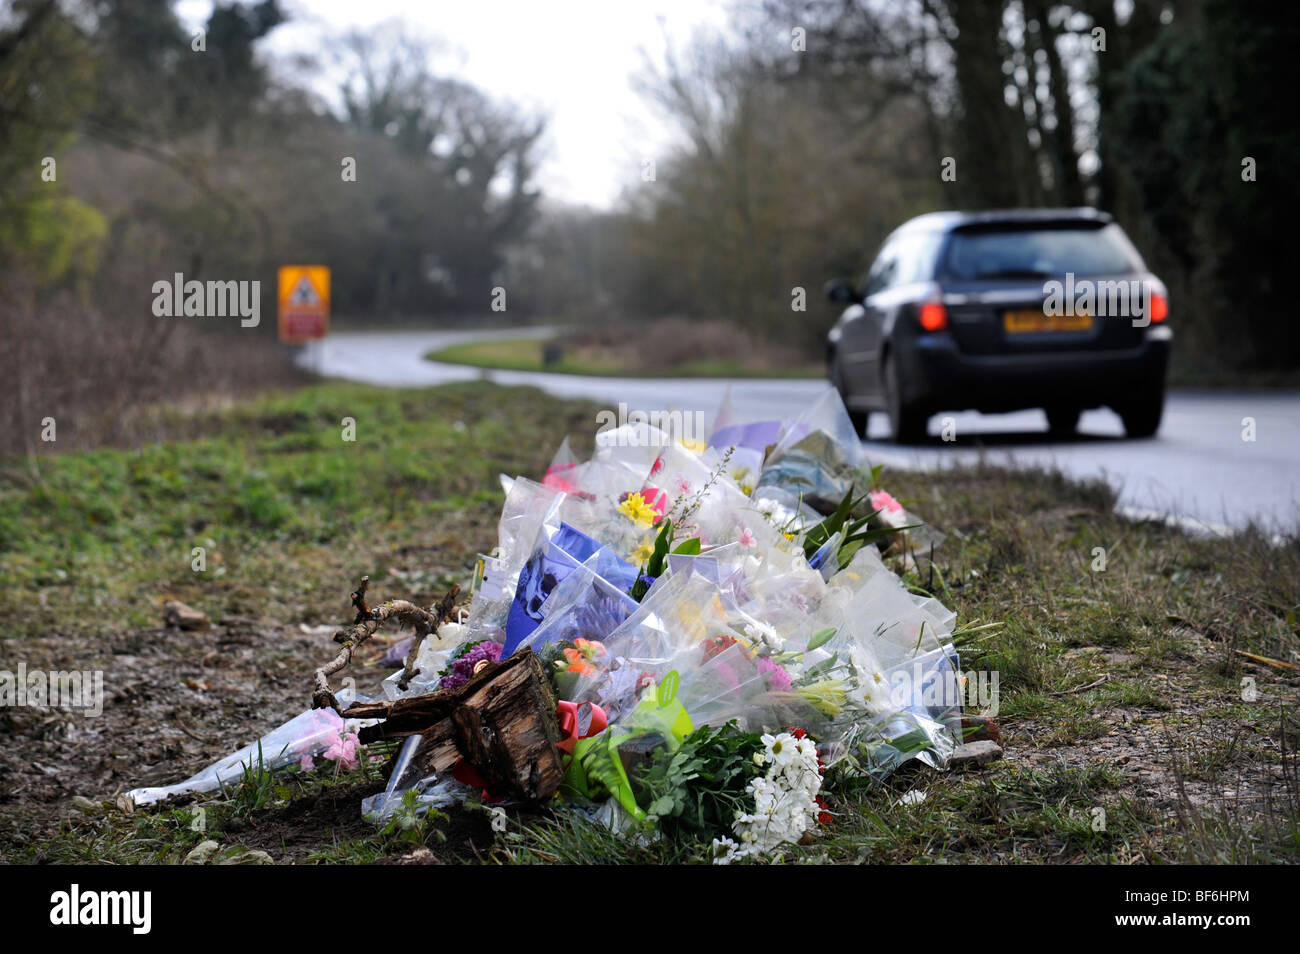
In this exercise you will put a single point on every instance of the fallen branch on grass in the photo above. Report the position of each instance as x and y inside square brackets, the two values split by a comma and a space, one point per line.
[1092, 685]
[442, 610]
[367, 622]
[1275, 663]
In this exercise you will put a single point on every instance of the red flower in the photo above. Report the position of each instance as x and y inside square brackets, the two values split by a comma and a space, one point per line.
[824, 817]
[717, 644]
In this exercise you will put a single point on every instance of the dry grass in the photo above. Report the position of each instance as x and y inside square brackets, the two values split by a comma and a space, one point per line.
[105, 375]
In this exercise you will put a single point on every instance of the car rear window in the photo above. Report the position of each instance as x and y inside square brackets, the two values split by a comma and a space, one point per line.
[1038, 252]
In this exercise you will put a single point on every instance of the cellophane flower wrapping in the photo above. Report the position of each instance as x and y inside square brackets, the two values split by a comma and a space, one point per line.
[673, 584]
[739, 625]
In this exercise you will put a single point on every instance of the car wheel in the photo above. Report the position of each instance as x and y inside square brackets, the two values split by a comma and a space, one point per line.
[1141, 416]
[1062, 421]
[861, 422]
[861, 419]
[906, 421]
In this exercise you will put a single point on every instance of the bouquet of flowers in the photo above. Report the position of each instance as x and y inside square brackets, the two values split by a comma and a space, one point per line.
[717, 624]
[732, 623]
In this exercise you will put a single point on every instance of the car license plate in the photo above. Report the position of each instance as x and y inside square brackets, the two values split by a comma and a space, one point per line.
[1032, 320]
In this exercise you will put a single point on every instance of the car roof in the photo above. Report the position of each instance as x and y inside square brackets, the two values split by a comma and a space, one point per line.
[947, 221]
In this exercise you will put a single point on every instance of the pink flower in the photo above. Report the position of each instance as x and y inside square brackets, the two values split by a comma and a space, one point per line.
[306, 763]
[747, 538]
[683, 485]
[554, 481]
[344, 750]
[656, 498]
[883, 500]
[778, 679]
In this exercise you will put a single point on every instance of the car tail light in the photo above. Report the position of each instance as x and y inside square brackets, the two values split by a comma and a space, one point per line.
[934, 317]
[1159, 308]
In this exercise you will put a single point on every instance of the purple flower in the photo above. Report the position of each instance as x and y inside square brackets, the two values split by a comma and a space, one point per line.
[463, 668]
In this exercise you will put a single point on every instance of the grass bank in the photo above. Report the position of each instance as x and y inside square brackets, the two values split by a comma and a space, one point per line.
[1136, 728]
[621, 351]
[526, 354]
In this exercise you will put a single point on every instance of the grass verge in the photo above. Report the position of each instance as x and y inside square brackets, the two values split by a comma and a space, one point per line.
[1135, 730]
[526, 354]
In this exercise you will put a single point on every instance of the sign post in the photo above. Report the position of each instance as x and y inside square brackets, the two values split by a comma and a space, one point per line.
[304, 303]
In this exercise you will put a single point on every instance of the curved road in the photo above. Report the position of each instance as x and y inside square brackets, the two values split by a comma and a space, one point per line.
[1198, 470]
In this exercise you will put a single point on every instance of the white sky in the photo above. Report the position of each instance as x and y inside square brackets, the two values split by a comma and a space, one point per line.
[570, 59]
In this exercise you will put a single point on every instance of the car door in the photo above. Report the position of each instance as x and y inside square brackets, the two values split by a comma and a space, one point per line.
[860, 328]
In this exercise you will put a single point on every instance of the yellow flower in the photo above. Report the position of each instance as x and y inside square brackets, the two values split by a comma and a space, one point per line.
[697, 446]
[643, 553]
[635, 508]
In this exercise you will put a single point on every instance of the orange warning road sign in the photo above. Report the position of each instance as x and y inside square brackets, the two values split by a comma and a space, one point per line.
[304, 303]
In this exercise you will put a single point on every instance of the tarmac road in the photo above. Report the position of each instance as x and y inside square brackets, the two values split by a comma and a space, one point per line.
[1198, 470]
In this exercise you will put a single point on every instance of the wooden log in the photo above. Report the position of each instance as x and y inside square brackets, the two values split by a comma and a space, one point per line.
[502, 722]
[509, 732]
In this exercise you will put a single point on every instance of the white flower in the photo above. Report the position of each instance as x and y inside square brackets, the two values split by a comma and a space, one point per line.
[764, 792]
[807, 750]
[725, 851]
[871, 690]
[779, 515]
[780, 749]
[763, 633]
[785, 798]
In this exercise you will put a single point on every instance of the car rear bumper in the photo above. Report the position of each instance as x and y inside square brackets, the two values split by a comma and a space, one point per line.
[939, 376]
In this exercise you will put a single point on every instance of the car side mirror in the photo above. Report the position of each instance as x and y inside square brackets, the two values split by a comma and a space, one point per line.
[842, 292]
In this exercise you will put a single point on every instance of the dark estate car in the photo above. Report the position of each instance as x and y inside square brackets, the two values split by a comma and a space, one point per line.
[1001, 311]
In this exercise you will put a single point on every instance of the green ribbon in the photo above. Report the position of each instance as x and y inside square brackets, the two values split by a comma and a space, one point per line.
[596, 764]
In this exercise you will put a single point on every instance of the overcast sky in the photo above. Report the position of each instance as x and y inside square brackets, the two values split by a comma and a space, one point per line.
[571, 59]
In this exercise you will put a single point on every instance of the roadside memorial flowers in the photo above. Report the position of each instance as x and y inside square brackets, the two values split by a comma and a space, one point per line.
[715, 626]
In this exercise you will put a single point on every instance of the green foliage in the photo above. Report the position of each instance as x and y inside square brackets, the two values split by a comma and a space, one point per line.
[654, 567]
[820, 638]
[283, 507]
[569, 838]
[414, 823]
[696, 790]
[257, 790]
[57, 239]
[689, 547]
[856, 530]
[1191, 111]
